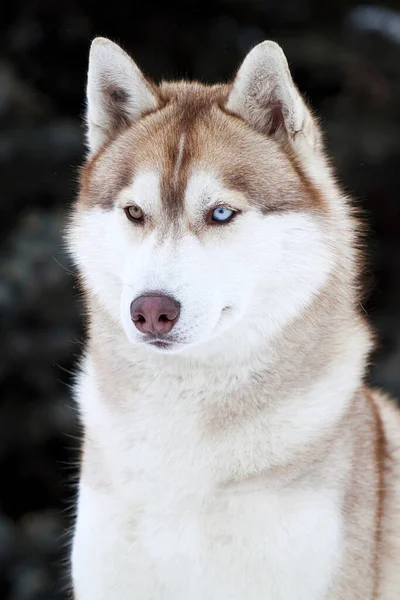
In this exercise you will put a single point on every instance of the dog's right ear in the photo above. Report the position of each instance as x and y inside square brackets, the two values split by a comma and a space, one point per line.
[117, 93]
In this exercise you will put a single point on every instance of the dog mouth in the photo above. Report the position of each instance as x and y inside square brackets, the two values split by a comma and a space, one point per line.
[160, 344]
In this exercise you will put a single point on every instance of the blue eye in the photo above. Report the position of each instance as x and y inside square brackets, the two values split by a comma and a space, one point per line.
[222, 214]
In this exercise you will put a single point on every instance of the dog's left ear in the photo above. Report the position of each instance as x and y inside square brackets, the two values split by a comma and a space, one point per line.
[264, 95]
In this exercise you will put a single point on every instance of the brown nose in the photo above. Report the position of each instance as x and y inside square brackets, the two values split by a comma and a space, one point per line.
[155, 314]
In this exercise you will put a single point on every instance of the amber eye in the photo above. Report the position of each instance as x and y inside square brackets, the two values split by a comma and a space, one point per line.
[134, 213]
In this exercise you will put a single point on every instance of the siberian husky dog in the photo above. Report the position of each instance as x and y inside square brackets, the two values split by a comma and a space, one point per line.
[231, 448]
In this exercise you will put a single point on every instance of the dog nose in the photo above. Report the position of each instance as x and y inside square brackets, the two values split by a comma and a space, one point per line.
[155, 314]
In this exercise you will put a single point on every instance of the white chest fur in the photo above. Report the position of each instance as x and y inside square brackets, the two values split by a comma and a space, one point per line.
[252, 544]
[170, 522]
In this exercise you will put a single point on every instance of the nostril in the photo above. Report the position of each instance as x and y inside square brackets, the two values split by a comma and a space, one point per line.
[137, 316]
[164, 319]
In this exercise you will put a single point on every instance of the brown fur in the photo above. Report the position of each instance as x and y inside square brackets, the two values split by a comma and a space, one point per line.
[197, 112]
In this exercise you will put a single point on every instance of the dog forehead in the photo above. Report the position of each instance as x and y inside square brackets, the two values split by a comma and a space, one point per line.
[163, 148]
[185, 152]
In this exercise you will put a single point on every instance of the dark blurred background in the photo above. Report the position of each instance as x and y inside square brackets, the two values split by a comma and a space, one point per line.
[344, 56]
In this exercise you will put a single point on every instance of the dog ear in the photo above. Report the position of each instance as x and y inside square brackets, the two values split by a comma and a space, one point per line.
[117, 93]
[264, 95]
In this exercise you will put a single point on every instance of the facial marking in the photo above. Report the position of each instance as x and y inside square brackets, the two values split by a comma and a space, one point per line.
[178, 160]
[206, 190]
[144, 191]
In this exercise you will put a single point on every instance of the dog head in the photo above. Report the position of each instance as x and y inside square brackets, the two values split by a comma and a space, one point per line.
[202, 217]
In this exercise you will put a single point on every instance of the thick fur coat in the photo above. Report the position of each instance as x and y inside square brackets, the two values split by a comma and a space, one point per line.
[237, 455]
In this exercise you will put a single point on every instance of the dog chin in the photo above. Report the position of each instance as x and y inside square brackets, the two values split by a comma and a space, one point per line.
[165, 347]
[159, 346]
[170, 347]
